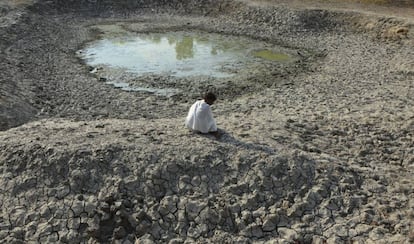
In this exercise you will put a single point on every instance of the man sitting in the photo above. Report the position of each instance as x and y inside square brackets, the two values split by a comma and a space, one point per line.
[200, 118]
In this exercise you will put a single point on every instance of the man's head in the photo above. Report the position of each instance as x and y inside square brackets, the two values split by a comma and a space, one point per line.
[210, 98]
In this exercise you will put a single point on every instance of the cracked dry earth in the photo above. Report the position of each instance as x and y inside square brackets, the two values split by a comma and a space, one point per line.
[319, 150]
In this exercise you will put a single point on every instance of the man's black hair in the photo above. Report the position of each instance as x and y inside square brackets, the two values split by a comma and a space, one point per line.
[210, 96]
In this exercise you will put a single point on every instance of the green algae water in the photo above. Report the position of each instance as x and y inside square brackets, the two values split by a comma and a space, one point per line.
[272, 56]
[180, 54]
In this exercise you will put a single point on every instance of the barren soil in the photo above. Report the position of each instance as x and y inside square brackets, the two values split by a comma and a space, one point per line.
[317, 150]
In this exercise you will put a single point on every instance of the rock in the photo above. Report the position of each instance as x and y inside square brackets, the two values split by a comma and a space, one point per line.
[334, 239]
[18, 217]
[363, 228]
[181, 228]
[74, 223]
[4, 234]
[77, 208]
[193, 209]
[318, 239]
[146, 239]
[287, 234]
[176, 241]
[270, 222]
[257, 232]
[45, 212]
[209, 215]
[18, 233]
[90, 208]
[340, 230]
[168, 205]
[296, 210]
[196, 180]
[377, 234]
[156, 231]
[62, 192]
[43, 229]
[119, 232]
[194, 232]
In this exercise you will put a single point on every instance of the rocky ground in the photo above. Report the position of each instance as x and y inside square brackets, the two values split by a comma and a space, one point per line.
[320, 150]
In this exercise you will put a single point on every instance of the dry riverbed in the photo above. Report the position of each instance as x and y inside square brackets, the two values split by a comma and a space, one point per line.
[319, 149]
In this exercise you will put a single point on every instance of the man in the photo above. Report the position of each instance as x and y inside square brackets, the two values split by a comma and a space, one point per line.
[200, 118]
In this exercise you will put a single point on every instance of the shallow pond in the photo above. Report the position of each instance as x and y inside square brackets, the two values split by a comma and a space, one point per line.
[175, 54]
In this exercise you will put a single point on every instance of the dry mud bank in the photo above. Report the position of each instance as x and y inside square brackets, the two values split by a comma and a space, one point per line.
[317, 150]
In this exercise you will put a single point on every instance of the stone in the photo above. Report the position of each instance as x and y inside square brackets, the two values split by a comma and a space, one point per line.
[142, 228]
[145, 239]
[90, 208]
[172, 168]
[45, 212]
[196, 180]
[193, 209]
[18, 233]
[53, 238]
[340, 230]
[296, 210]
[270, 223]
[209, 215]
[4, 234]
[119, 232]
[334, 239]
[18, 217]
[363, 228]
[377, 233]
[308, 218]
[181, 228]
[132, 221]
[240, 224]
[235, 208]
[259, 213]
[31, 229]
[176, 241]
[288, 234]
[44, 229]
[62, 191]
[318, 240]
[156, 231]
[74, 223]
[194, 232]
[257, 232]
[77, 208]
[183, 182]
[167, 205]
[127, 242]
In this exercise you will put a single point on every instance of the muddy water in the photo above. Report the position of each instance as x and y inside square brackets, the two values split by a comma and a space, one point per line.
[176, 54]
[173, 54]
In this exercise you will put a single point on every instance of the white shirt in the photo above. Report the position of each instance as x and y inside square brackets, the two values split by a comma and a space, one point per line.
[200, 118]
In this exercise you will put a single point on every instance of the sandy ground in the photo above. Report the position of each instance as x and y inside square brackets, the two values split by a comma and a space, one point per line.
[320, 150]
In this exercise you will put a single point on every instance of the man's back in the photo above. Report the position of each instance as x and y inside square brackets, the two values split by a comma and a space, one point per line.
[200, 118]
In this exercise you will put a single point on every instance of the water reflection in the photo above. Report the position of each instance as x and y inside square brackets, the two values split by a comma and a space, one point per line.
[184, 48]
[178, 53]
[174, 53]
